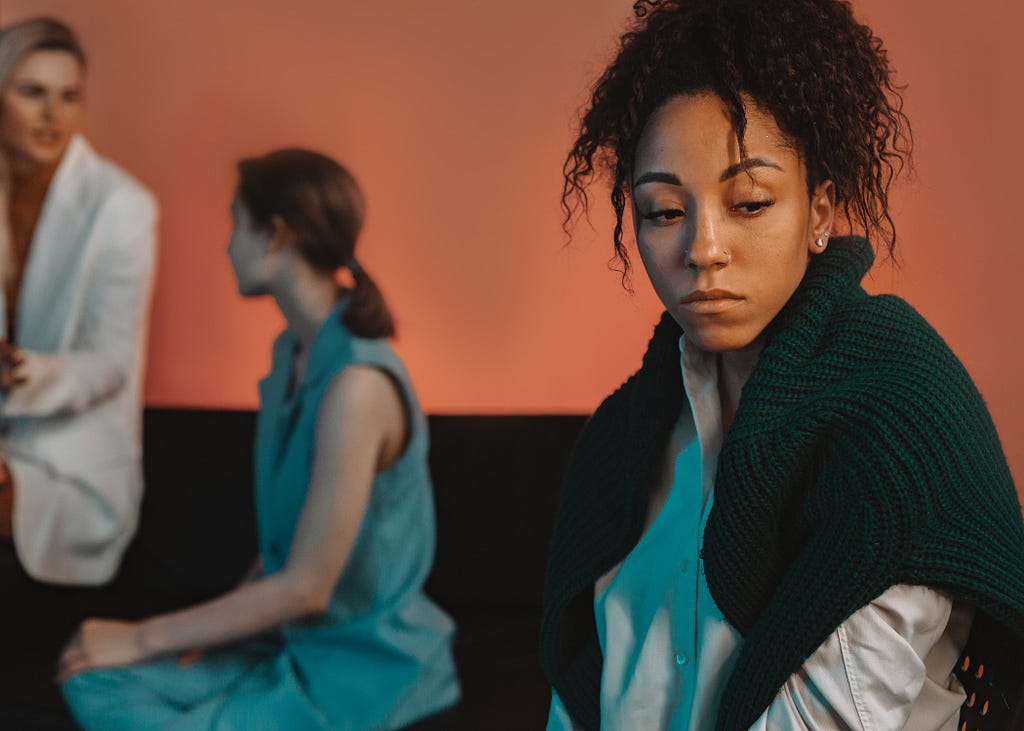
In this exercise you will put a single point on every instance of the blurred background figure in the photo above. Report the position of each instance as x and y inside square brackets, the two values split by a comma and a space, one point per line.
[77, 249]
[330, 629]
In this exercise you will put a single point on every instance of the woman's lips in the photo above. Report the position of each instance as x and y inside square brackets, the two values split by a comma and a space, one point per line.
[48, 137]
[708, 302]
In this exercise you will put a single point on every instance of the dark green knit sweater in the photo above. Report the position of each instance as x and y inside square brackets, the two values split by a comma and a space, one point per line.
[861, 456]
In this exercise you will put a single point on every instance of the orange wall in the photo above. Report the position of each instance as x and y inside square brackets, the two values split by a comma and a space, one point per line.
[455, 116]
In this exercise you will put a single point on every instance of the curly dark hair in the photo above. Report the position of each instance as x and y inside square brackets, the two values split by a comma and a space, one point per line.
[824, 78]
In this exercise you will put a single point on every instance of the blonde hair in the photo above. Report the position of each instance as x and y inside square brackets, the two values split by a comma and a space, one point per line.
[35, 34]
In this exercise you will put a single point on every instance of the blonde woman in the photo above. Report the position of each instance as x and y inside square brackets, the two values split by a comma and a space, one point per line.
[77, 245]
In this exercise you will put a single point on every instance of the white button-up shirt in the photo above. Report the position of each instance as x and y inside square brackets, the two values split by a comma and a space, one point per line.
[668, 650]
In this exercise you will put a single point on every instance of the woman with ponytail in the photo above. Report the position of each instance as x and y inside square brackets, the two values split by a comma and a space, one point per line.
[331, 628]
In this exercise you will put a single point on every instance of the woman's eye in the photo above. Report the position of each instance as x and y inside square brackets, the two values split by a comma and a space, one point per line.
[31, 91]
[664, 215]
[70, 97]
[753, 207]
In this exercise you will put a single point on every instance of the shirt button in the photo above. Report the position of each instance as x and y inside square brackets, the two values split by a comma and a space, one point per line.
[682, 659]
[684, 566]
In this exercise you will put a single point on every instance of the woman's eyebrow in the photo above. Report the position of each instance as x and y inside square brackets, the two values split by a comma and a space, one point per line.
[732, 171]
[656, 177]
[743, 165]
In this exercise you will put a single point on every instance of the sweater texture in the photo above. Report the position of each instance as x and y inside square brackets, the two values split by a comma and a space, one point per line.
[861, 456]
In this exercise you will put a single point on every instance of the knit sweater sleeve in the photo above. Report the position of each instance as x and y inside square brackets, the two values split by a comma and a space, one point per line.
[570, 653]
[910, 481]
[842, 565]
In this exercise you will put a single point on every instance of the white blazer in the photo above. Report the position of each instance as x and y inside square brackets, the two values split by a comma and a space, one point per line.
[72, 435]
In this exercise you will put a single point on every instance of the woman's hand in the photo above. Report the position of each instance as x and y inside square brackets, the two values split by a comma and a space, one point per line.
[6, 502]
[5, 179]
[190, 657]
[11, 362]
[101, 643]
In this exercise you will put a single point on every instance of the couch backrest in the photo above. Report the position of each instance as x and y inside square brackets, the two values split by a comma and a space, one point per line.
[496, 482]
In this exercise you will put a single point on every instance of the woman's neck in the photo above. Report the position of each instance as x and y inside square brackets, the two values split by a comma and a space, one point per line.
[30, 189]
[734, 368]
[29, 179]
[305, 297]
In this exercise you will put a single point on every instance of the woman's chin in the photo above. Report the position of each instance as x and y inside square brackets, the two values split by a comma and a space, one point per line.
[248, 289]
[718, 339]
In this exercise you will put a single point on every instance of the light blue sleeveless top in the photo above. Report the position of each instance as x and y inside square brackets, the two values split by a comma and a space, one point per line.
[381, 655]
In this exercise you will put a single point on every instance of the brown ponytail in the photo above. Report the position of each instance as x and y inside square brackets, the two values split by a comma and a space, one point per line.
[323, 205]
[367, 314]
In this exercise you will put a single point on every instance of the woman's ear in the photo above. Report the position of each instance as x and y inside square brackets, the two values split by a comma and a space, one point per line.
[281, 234]
[823, 209]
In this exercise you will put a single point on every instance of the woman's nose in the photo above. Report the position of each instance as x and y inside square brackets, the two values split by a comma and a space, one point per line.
[706, 249]
[47, 110]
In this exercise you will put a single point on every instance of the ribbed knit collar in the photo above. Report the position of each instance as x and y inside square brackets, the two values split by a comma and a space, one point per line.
[794, 366]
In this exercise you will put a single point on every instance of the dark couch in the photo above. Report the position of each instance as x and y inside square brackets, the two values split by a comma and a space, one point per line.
[496, 482]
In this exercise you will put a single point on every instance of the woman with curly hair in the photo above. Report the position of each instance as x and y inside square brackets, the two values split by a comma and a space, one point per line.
[775, 523]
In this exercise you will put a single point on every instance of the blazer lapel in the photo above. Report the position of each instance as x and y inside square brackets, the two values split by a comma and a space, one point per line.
[57, 265]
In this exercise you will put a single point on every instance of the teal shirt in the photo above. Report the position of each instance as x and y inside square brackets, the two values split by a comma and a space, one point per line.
[382, 650]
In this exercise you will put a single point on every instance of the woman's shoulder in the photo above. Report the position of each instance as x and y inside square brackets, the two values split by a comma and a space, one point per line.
[875, 379]
[337, 348]
[96, 183]
[345, 345]
[887, 330]
[899, 389]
